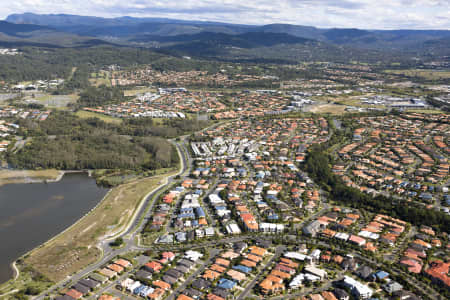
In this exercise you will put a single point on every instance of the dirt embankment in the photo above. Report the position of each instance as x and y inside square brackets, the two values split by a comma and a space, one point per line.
[28, 176]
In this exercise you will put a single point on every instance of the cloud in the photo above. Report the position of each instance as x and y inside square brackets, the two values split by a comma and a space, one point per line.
[367, 14]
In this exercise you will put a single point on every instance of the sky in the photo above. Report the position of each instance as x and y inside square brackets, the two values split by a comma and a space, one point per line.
[364, 14]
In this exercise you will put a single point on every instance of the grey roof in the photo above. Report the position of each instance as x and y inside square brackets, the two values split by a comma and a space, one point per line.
[81, 288]
[186, 262]
[312, 228]
[239, 246]
[89, 283]
[174, 273]
[404, 295]
[182, 269]
[98, 277]
[190, 235]
[264, 243]
[166, 239]
[192, 293]
[341, 294]
[392, 286]
[348, 264]
[220, 292]
[143, 274]
[201, 284]
[180, 236]
[364, 272]
[169, 279]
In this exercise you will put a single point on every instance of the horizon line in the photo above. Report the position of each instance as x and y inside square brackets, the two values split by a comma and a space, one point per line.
[213, 22]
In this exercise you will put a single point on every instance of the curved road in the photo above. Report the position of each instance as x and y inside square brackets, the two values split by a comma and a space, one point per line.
[145, 210]
[136, 225]
[133, 229]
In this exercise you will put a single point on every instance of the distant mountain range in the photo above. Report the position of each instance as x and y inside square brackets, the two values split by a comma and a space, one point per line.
[36, 35]
[216, 39]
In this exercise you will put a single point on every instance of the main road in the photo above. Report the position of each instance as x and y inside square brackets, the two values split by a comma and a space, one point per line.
[145, 210]
[135, 225]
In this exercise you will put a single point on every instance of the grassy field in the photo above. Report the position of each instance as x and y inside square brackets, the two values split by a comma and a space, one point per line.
[158, 121]
[17, 176]
[56, 101]
[349, 101]
[76, 248]
[136, 91]
[328, 108]
[27, 278]
[427, 74]
[101, 78]
[356, 102]
[425, 111]
[88, 114]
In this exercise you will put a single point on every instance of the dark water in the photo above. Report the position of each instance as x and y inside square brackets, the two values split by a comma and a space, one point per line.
[31, 214]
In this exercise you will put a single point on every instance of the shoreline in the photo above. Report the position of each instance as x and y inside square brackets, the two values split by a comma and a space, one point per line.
[31, 178]
[111, 235]
[13, 265]
[15, 270]
[61, 173]
[143, 201]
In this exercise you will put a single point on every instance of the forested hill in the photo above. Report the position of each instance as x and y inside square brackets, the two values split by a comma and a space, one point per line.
[244, 40]
[67, 142]
[43, 36]
[46, 63]
[129, 28]
[18, 29]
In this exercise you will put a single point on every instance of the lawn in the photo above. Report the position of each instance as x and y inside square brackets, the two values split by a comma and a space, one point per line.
[88, 114]
[76, 248]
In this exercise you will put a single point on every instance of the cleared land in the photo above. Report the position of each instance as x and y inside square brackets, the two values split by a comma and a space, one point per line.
[57, 101]
[16, 176]
[137, 91]
[425, 111]
[51, 101]
[88, 114]
[76, 248]
[101, 78]
[427, 74]
[355, 101]
[328, 108]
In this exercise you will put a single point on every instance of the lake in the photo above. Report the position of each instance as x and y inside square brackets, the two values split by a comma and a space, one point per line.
[31, 214]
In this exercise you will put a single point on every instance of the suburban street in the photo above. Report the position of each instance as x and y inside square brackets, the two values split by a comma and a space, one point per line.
[279, 250]
[129, 235]
[131, 241]
[212, 255]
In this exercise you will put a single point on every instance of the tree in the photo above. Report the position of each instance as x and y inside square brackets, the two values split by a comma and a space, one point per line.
[117, 242]
[21, 295]
[32, 290]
